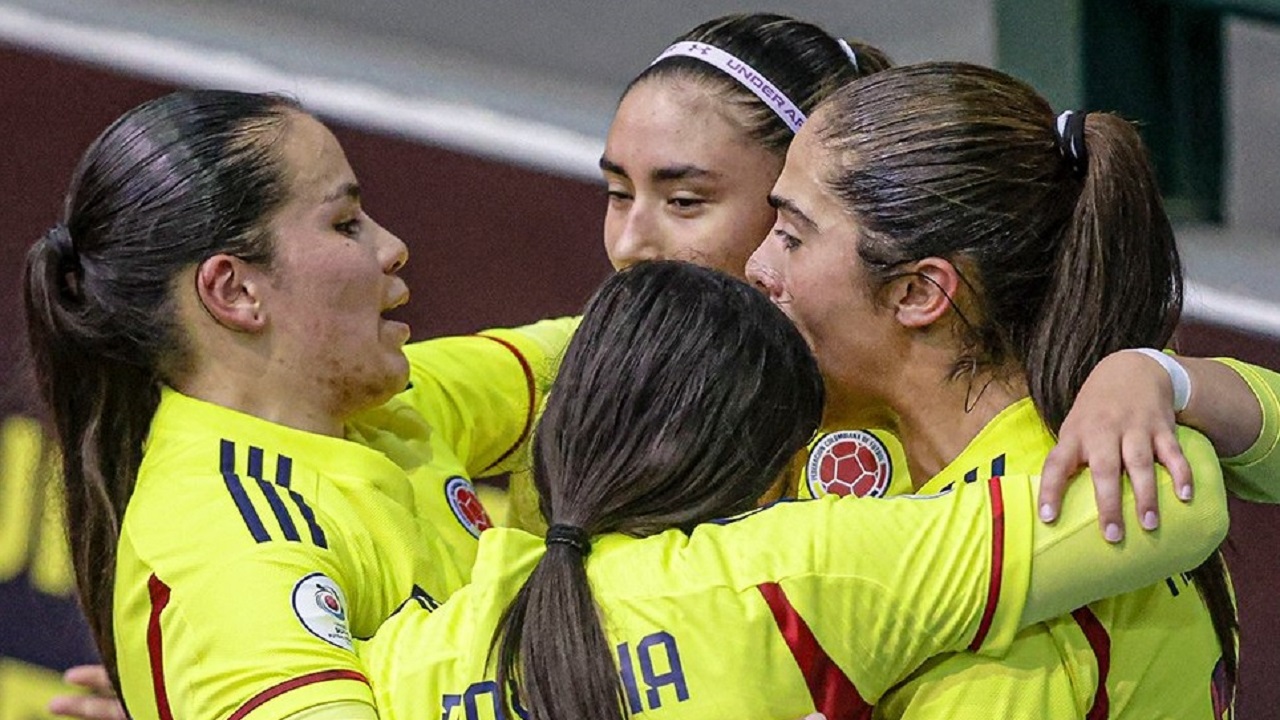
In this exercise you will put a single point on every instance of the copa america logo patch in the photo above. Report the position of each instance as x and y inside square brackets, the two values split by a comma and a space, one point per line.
[849, 462]
[466, 505]
[322, 609]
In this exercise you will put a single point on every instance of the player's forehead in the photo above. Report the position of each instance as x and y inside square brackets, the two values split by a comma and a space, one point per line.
[314, 163]
[671, 122]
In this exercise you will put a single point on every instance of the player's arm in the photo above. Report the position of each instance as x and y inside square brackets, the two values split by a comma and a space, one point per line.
[1252, 467]
[917, 576]
[482, 391]
[1123, 421]
[253, 634]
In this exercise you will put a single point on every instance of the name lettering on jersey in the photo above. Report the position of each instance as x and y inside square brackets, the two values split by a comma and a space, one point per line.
[651, 674]
[270, 491]
[466, 505]
[849, 462]
[667, 672]
[322, 609]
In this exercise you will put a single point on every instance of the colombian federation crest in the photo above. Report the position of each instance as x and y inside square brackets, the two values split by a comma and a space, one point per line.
[849, 462]
[322, 609]
[466, 505]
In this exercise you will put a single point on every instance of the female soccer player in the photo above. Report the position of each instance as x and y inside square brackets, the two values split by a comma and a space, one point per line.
[693, 150]
[940, 235]
[240, 449]
[682, 397]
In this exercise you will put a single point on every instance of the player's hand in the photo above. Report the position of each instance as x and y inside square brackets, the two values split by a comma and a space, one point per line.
[1121, 422]
[101, 702]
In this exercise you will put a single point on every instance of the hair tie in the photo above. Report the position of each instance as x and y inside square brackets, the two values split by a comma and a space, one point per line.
[59, 240]
[571, 535]
[751, 79]
[853, 56]
[1070, 132]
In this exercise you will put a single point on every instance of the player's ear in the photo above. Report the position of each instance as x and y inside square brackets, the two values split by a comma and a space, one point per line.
[924, 292]
[229, 289]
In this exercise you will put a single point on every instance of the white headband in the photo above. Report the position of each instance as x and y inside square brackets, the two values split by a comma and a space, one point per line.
[853, 56]
[743, 73]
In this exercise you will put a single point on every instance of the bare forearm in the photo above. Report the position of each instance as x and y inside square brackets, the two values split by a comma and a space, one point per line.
[1222, 406]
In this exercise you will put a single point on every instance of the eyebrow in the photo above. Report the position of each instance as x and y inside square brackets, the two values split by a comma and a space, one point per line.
[663, 174]
[346, 190]
[781, 204]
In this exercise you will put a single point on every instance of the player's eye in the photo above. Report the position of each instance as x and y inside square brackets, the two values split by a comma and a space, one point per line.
[350, 228]
[789, 241]
[684, 202]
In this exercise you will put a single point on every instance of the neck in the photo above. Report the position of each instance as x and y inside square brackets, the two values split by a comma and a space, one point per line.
[245, 388]
[935, 431]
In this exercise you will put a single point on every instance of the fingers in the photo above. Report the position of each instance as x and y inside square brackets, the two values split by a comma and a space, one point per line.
[90, 677]
[1105, 469]
[87, 707]
[1139, 462]
[1169, 453]
[101, 704]
[1061, 464]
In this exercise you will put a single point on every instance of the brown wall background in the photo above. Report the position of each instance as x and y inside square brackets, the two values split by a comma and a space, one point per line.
[491, 244]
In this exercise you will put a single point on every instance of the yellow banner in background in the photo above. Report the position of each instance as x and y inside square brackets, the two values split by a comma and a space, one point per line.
[31, 537]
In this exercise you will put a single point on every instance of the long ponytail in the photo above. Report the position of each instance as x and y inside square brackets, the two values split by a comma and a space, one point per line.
[1070, 251]
[101, 410]
[1117, 283]
[1117, 279]
[681, 398]
[170, 183]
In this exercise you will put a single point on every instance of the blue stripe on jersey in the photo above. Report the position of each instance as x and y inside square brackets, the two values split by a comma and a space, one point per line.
[284, 471]
[284, 478]
[247, 511]
[997, 466]
[273, 498]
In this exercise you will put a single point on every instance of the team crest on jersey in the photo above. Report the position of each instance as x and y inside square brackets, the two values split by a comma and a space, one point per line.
[849, 462]
[466, 505]
[322, 609]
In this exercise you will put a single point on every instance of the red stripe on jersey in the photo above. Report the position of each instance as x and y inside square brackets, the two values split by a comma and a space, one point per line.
[997, 563]
[833, 693]
[533, 396]
[310, 679]
[1100, 640]
[155, 645]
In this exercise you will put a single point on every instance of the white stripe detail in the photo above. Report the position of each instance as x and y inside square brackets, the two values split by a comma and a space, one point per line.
[470, 128]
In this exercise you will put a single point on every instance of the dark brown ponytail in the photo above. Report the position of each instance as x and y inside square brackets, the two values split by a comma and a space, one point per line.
[1064, 241]
[172, 182]
[681, 398]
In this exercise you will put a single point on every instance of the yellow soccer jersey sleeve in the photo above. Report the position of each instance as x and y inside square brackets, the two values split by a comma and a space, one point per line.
[1116, 656]
[1255, 474]
[801, 606]
[250, 557]
[481, 392]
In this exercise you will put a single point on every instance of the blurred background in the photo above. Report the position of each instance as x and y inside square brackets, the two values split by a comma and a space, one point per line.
[475, 128]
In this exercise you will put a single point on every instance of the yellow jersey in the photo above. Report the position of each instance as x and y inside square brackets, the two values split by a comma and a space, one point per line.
[252, 554]
[1254, 474]
[1147, 654]
[804, 605]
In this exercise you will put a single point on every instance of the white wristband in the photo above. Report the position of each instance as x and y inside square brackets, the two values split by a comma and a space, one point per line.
[1177, 375]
